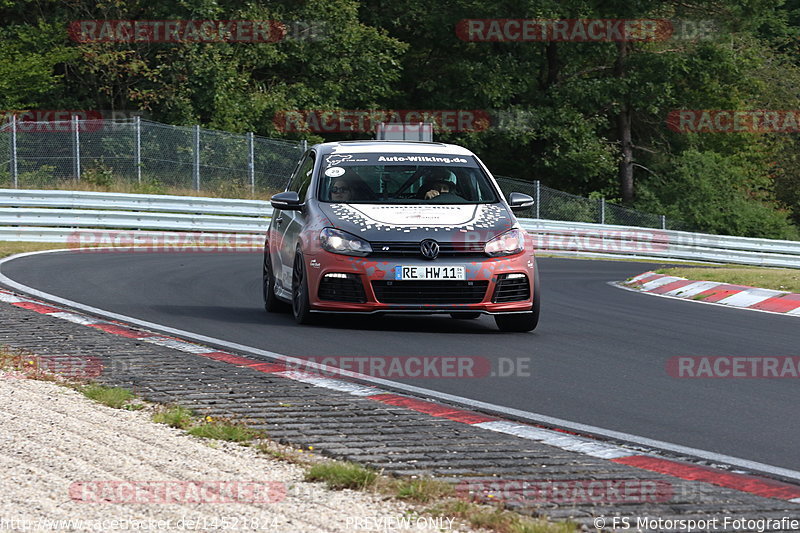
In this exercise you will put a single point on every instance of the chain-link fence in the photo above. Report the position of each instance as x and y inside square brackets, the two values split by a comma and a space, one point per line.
[143, 156]
[139, 155]
[552, 204]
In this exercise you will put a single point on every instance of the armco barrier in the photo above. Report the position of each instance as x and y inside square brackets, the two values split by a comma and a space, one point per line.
[58, 216]
[559, 236]
[133, 202]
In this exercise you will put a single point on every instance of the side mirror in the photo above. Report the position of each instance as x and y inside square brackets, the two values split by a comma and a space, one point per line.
[286, 201]
[517, 200]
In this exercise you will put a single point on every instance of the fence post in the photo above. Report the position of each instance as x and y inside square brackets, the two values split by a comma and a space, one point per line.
[251, 162]
[14, 175]
[137, 148]
[663, 222]
[197, 157]
[76, 148]
[602, 210]
[538, 185]
[303, 146]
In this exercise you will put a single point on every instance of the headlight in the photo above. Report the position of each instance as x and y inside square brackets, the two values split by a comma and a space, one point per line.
[510, 242]
[341, 242]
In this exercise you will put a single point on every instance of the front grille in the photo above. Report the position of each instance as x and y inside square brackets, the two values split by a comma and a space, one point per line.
[512, 290]
[430, 292]
[411, 249]
[349, 289]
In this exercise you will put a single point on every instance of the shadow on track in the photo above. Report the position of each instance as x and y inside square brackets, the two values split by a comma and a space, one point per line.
[441, 324]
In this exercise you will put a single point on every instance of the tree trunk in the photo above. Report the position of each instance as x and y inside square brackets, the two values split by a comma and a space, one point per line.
[626, 151]
[625, 172]
[553, 65]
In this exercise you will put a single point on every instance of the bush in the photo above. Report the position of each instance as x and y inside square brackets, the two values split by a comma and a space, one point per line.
[716, 194]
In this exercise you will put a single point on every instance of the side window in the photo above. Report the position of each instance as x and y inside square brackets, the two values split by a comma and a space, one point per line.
[302, 179]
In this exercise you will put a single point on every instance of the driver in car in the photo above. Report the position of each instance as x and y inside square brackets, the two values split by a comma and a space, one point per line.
[439, 181]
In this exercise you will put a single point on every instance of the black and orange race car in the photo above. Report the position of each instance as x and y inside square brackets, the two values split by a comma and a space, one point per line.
[399, 227]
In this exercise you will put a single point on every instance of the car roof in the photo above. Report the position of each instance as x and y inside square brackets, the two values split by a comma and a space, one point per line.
[393, 147]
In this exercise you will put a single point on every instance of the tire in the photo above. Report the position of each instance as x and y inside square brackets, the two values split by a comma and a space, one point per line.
[465, 315]
[522, 322]
[272, 304]
[301, 308]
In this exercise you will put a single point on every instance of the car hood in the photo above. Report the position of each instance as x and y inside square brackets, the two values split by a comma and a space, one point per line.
[382, 222]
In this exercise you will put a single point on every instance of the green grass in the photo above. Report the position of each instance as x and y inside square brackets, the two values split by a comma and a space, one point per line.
[497, 519]
[174, 416]
[779, 279]
[224, 431]
[421, 490]
[285, 453]
[342, 475]
[115, 397]
[12, 247]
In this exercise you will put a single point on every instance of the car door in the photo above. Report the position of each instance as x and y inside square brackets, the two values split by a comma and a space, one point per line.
[289, 224]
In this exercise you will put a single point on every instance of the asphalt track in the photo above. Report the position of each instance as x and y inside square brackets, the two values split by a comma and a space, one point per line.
[597, 358]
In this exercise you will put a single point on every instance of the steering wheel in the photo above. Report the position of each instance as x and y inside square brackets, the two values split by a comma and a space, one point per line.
[446, 196]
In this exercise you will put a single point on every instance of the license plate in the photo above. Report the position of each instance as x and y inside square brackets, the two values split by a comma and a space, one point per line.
[430, 272]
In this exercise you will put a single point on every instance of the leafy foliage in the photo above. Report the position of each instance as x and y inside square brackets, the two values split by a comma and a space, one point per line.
[556, 106]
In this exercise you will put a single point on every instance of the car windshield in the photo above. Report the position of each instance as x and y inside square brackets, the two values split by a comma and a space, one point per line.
[389, 179]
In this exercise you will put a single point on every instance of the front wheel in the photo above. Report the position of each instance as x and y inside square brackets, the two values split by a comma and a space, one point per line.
[301, 308]
[522, 322]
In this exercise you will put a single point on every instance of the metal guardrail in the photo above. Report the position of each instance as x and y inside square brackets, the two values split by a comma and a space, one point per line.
[61, 216]
[82, 218]
[133, 202]
[576, 237]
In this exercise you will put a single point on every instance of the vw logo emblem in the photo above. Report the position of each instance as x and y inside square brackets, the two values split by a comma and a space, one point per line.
[429, 249]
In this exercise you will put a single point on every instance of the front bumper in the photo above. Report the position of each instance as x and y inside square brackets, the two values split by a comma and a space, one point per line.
[363, 271]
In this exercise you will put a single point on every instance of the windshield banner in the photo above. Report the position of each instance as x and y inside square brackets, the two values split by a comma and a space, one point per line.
[339, 159]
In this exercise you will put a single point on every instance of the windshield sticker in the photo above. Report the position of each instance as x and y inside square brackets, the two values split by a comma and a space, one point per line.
[335, 160]
[420, 159]
[411, 218]
[334, 172]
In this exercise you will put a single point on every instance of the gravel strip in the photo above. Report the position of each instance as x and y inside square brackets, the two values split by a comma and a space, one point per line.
[52, 437]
